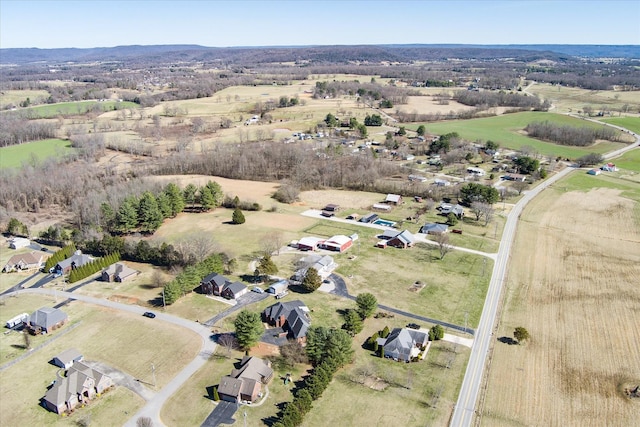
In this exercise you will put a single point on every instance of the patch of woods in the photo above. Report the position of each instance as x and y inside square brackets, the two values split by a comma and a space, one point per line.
[570, 135]
[15, 130]
[500, 99]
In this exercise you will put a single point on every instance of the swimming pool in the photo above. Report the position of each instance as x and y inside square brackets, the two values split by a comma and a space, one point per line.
[385, 222]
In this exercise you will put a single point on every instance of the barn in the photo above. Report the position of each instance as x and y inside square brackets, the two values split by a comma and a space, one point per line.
[338, 243]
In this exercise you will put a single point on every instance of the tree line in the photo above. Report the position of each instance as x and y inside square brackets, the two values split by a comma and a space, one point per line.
[15, 130]
[190, 278]
[500, 99]
[570, 135]
[93, 267]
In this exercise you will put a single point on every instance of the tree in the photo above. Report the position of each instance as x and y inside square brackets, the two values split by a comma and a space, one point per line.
[248, 328]
[189, 194]
[436, 333]
[228, 341]
[238, 217]
[352, 322]
[331, 120]
[216, 396]
[267, 267]
[17, 228]
[589, 159]
[312, 280]
[444, 247]
[175, 197]
[373, 120]
[367, 304]
[207, 200]
[144, 422]
[452, 219]
[491, 145]
[520, 334]
[272, 242]
[421, 130]
[520, 186]
[149, 215]
[294, 352]
[127, 216]
[385, 332]
[476, 209]
[526, 165]
[303, 400]
[473, 192]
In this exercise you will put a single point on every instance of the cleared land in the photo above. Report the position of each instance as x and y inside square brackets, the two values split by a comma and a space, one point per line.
[75, 108]
[573, 285]
[631, 123]
[14, 156]
[571, 99]
[630, 160]
[507, 131]
[124, 341]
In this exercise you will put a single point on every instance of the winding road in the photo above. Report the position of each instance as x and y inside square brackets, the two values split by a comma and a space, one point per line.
[465, 408]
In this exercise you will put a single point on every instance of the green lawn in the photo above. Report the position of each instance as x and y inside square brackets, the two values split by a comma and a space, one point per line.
[580, 181]
[14, 156]
[506, 130]
[73, 108]
[630, 160]
[631, 123]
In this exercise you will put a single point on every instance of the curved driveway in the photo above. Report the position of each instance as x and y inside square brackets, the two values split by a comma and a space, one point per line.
[154, 405]
[465, 407]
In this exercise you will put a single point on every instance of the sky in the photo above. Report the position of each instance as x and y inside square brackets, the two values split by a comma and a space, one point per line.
[217, 23]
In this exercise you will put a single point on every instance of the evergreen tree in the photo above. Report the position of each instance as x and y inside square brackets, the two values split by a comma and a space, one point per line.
[108, 216]
[303, 401]
[238, 217]
[352, 322]
[189, 194]
[291, 415]
[312, 280]
[248, 328]
[436, 333]
[385, 332]
[127, 216]
[164, 205]
[216, 396]
[206, 199]
[267, 267]
[216, 192]
[176, 198]
[367, 304]
[149, 215]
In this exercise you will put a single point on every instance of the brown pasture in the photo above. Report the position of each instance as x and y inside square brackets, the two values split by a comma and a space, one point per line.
[573, 285]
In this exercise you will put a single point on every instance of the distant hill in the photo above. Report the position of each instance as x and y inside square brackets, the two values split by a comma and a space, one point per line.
[315, 54]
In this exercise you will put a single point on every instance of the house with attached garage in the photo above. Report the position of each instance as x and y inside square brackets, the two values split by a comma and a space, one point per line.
[78, 259]
[245, 383]
[233, 290]
[434, 228]
[118, 272]
[218, 285]
[291, 316]
[67, 358]
[24, 262]
[324, 265]
[45, 320]
[81, 384]
[402, 240]
[405, 345]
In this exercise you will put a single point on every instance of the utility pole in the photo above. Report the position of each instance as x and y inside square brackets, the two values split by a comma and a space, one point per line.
[245, 418]
[484, 265]
[163, 302]
[466, 316]
[153, 372]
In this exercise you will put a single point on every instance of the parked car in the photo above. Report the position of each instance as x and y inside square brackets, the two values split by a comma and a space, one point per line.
[257, 290]
[149, 314]
[413, 326]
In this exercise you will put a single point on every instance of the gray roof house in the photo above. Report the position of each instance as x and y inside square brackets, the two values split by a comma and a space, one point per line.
[447, 208]
[404, 344]
[67, 358]
[245, 383]
[434, 228]
[324, 265]
[78, 259]
[46, 319]
[81, 384]
[402, 240]
[291, 316]
[213, 283]
[118, 272]
[233, 290]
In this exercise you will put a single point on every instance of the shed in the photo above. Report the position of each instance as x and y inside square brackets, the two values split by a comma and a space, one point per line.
[381, 207]
[594, 172]
[67, 358]
[17, 320]
[338, 243]
[19, 242]
[278, 287]
[309, 243]
[395, 199]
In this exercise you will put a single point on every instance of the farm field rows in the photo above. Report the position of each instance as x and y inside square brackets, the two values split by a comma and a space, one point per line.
[572, 285]
[506, 130]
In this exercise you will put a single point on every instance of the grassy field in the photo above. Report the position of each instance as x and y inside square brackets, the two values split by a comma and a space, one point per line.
[124, 341]
[581, 278]
[631, 123]
[74, 108]
[507, 131]
[572, 99]
[15, 97]
[14, 156]
[629, 161]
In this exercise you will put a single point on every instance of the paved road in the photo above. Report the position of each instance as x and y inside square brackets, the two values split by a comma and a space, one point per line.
[154, 405]
[464, 410]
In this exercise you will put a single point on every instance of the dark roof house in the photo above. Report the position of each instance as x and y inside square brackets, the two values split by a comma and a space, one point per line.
[78, 259]
[291, 316]
[245, 383]
[46, 319]
[233, 290]
[213, 283]
[402, 240]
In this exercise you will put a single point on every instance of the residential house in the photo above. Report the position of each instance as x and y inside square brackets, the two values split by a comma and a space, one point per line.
[417, 178]
[78, 259]
[24, 262]
[476, 171]
[233, 290]
[338, 243]
[447, 208]
[118, 272]
[394, 199]
[402, 240]
[324, 265]
[434, 228]
[331, 208]
[609, 167]
[67, 358]
[19, 242]
[404, 344]
[245, 383]
[514, 177]
[369, 218]
[291, 316]
[218, 285]
[81, 384]
[46, 319]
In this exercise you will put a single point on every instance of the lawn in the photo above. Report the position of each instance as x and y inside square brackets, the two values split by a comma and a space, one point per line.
[507, 131]
[14, 156]
[580, 181]
[73, 108]
[630, 160]
[631, 123]
[125, 341]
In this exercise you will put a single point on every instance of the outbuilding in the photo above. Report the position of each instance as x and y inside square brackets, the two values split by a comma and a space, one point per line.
[338, 243]
[67, 358]
[19, 242]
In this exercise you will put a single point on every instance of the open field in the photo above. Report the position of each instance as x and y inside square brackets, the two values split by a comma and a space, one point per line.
[631, 123]
[572, 99]
[573, 286]
[507, 131]
[629, 161]
[14, 156]
[15, 97]
[74, 108]
[127, 342]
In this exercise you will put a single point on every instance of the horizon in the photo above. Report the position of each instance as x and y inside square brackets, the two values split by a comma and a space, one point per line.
[248, 23]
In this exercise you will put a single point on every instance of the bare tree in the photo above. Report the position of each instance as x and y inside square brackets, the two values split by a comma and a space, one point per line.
[477, 209]
[27, 339]
[228, 341]
[520, 186]
[194, 247]
[144, 422]
[157, 279]
[444, 247]
[488, 212]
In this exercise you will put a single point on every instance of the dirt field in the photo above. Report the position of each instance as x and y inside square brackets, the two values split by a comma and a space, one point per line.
[575, 290]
